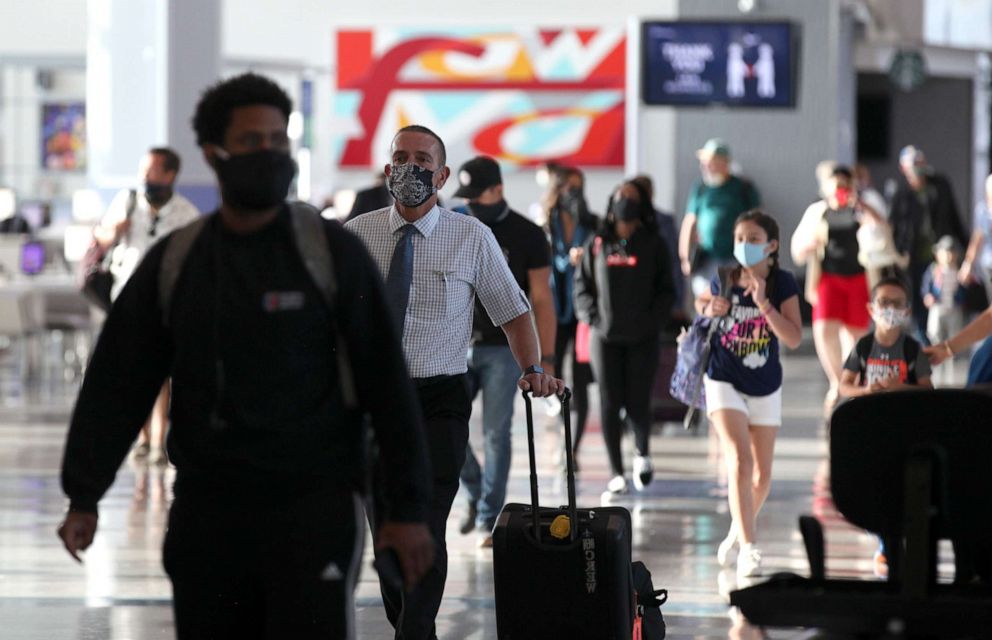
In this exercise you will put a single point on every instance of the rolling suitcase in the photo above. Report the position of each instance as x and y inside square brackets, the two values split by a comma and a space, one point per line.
[562, 572]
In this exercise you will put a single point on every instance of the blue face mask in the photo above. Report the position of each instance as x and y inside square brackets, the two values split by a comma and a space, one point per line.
[748, 254]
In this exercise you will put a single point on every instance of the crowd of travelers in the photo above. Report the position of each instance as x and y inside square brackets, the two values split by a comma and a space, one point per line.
[317, 376]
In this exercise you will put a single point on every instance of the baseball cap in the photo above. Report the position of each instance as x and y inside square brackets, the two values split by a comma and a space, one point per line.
[911, 155]
[948, 243]
[714, 147]
[477, 175]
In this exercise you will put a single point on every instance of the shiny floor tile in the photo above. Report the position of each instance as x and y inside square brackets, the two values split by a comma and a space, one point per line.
[121, 591]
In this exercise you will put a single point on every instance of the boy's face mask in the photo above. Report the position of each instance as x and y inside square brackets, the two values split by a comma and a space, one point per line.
[889, 317]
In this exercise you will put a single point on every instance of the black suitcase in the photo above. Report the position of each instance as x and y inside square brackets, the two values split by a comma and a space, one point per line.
[573, 583]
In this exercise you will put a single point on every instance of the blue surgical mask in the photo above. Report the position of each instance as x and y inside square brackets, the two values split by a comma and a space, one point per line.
[749, 254]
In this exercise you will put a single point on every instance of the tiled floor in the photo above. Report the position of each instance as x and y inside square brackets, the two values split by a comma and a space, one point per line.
[121, 591]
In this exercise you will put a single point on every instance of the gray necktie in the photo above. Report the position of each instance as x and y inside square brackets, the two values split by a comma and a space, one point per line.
[401, 275]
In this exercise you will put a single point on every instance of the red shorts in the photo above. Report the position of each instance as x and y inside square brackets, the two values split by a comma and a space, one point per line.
[843, 298]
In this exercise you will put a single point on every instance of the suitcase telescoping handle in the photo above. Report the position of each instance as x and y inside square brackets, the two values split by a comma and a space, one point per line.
[569, 464]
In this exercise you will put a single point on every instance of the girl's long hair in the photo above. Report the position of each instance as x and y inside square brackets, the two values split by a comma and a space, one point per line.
[557, 176]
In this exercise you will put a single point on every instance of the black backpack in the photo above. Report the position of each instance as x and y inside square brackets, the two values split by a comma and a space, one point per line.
[910, 348]
[649, 624]
[311, 242]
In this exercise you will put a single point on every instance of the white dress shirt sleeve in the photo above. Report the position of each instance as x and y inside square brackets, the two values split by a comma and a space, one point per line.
[495, 285]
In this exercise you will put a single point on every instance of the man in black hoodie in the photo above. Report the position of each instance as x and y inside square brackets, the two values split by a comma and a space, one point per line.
[265, 533]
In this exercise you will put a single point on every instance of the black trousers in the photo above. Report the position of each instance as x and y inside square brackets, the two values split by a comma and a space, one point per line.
[578, 379]
[625, 373]
[446, 409]
[254, 570]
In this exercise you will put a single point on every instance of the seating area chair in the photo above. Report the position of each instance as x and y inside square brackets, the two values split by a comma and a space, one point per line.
[69, 328]
[20, 323]
[911, 467]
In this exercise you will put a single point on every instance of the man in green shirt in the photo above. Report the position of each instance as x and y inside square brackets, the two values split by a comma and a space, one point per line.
[706, 240]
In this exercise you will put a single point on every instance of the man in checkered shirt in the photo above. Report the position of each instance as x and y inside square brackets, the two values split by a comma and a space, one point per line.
[455, 259]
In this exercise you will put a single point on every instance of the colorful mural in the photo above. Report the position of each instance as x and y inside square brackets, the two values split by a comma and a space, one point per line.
[523, 96]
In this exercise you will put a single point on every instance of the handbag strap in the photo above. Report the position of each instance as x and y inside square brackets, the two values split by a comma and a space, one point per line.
[132, 204]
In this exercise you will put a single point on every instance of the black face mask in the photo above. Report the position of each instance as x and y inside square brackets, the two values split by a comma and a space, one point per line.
[489, 214]
[574, 202]
[570, 196]
[157, 194]
[627, 210]
[255, 181]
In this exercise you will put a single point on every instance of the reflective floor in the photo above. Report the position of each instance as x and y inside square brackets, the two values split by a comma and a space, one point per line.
[121, 591]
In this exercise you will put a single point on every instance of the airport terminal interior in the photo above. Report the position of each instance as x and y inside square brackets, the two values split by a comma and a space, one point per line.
[678, 521]
[880, 109]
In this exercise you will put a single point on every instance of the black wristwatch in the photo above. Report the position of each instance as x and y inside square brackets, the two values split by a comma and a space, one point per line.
[533, 369]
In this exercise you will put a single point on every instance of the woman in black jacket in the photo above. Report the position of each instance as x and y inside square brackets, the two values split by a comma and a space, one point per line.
[624, 290]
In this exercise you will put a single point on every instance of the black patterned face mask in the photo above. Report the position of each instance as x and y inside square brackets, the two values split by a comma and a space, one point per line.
[411, 184]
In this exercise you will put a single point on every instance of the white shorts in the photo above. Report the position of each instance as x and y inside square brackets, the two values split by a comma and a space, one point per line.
[761, 411]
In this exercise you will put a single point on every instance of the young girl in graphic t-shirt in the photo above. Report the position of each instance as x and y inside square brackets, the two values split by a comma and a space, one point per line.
[743, 383]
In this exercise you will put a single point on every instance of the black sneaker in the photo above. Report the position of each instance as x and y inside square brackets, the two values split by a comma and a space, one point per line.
[467, 525]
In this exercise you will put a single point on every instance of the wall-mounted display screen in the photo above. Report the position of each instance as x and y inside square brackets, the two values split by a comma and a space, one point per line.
[733, 63]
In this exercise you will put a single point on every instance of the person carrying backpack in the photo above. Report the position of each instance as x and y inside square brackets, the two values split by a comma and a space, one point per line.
[274, 372]
[887, 359]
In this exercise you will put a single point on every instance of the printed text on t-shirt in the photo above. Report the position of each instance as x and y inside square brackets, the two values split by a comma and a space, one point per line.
[746, 334]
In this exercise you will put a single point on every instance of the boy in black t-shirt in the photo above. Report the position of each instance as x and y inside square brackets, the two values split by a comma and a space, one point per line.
[887, 359]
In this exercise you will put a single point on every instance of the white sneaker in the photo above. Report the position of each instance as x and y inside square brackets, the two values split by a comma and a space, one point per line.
[724, 553]
[748, 562]
[643, 472]
[617, 485]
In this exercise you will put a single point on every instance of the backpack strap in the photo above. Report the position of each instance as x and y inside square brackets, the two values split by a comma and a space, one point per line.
[747, 192]
[132, 203]
[863, 349]
[180, 242]
[910, 351]
[312, 243]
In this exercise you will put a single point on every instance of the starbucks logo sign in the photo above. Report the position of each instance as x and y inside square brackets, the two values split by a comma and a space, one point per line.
[908, 70]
